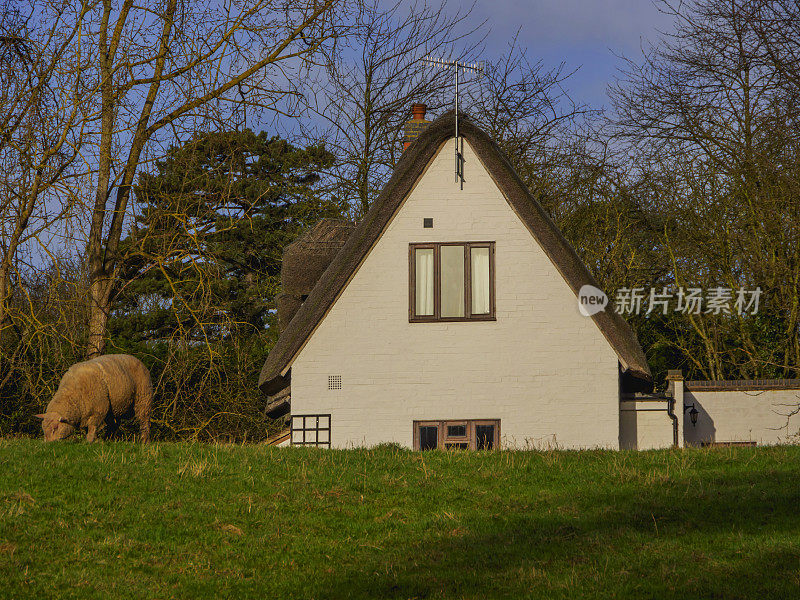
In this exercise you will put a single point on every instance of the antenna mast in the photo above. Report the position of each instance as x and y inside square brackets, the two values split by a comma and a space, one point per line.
[459, 144]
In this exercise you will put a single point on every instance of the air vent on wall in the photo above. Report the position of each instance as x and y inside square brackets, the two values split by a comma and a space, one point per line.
[427, 223]
[334, 382]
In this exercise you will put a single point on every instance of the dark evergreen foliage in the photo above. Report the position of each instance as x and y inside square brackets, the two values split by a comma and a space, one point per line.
[202, 269]
[204, 254]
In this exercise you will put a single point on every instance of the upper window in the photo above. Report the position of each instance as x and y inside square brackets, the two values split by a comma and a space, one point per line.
[451, 281]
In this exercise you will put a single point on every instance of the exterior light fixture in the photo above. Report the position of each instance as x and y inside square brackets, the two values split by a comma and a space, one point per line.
[693, 412]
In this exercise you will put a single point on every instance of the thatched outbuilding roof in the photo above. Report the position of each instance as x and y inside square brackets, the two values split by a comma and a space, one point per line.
[305, 259]
[279, 404]
[275, 374]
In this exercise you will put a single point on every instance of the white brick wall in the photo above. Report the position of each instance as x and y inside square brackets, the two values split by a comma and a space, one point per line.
[737, 416]
[541, 368]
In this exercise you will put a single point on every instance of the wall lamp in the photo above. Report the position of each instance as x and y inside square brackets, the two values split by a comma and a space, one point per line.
[693, 412]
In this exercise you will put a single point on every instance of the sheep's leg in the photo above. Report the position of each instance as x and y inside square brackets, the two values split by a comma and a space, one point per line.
[111, 426]
[144, 430]
[143, 405]
[91, 434]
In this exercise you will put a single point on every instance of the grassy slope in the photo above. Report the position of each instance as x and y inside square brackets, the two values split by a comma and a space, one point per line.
[172, 520]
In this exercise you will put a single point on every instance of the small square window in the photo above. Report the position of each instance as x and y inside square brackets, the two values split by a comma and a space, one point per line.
[334, 382]
[427, 223]
[311, 430]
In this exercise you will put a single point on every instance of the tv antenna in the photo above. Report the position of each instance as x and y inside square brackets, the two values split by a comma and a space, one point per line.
[458, 66]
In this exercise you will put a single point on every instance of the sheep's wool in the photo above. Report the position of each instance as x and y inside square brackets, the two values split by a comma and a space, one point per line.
[107, 386]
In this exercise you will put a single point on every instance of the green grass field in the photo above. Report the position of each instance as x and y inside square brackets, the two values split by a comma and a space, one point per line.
[200, 521]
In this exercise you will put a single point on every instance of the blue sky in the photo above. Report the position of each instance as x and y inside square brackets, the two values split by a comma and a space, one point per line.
[581, 33]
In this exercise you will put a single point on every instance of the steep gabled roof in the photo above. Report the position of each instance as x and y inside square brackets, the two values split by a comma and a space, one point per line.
[408, 171]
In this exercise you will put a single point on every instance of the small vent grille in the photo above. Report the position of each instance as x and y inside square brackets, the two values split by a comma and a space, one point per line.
[427, 223]
[334, 382]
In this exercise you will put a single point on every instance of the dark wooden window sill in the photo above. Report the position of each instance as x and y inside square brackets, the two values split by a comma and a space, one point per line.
[451, 319]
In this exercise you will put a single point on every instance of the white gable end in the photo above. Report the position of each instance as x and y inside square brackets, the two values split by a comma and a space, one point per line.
[547, 373]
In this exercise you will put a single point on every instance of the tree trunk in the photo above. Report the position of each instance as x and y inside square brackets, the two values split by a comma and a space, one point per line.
[98, 275]
[99, 309]
[5, 293]
[6, 355]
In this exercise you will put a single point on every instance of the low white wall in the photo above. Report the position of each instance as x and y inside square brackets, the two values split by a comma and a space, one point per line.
[645, 425]
[764, 411]
[743, 413]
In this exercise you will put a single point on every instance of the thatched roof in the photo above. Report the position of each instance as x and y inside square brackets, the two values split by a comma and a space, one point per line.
[306, 259]
[325, 233]
[279, 404]
[410, 168]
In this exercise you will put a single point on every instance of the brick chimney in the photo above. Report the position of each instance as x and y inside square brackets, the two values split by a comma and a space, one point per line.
[416, 125]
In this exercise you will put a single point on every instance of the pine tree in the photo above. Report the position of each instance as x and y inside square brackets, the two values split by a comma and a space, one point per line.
[204, 254]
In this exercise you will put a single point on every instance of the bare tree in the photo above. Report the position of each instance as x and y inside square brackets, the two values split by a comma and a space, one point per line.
[367, 82]
[171, 66]
[711, 116]
[777, 25]
[526, 108]
[42, 106]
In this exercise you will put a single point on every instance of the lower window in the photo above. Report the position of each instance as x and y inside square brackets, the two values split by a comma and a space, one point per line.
[311, 430]
[469, 434]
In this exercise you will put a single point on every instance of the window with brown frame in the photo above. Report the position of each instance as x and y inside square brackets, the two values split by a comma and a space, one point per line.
[451, 281]
[468, 434]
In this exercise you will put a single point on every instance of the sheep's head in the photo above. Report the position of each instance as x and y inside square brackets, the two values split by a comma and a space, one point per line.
[55, 426]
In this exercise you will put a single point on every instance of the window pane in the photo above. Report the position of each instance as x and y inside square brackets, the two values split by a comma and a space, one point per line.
[456, 431]
[457, 446]
[452, 281]
[424, 274]
[484, 437]
[428, 437]
[480, 280]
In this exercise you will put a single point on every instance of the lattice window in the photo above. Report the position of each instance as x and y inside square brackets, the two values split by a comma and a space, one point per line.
[311, 430]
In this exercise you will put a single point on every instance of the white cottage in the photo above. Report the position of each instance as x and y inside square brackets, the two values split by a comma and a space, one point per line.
[448, 318]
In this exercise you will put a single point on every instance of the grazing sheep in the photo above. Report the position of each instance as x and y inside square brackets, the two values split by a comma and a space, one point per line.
[97, 391]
